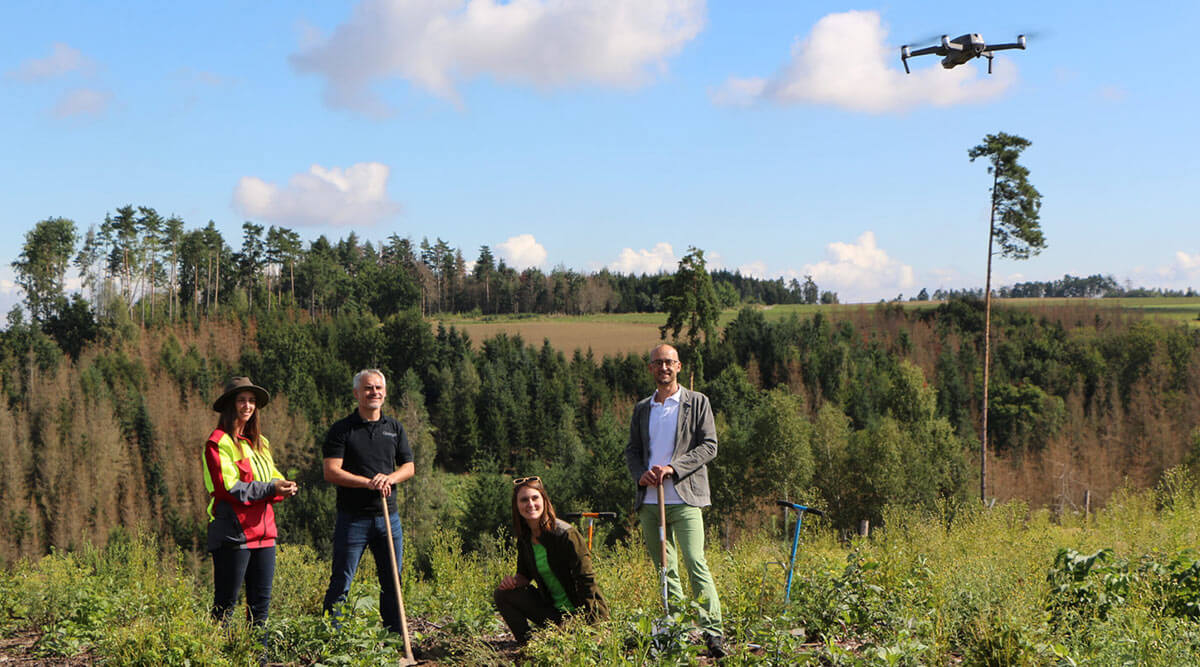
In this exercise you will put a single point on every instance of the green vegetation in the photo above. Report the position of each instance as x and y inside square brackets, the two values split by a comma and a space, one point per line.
[876, 405]
[870, 412]
[958, 582]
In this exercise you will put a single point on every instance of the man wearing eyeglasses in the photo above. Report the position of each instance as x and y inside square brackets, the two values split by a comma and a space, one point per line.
[671, 438]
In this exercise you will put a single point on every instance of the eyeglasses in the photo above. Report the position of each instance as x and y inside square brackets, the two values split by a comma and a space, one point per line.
[522, 480]
[665, 363]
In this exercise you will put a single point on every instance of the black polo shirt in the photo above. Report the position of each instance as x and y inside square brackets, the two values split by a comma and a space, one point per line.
[367, 449]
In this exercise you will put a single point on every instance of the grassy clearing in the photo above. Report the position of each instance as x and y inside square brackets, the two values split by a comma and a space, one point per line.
[619, 333]
[1006, 586]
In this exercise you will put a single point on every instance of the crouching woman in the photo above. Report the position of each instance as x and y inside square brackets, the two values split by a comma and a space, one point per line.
[554, 569]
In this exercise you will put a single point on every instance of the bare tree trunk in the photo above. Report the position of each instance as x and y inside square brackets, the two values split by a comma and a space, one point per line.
[143, 299]
[150, 280]
[987, 345]
[208, 287]
[127, 282]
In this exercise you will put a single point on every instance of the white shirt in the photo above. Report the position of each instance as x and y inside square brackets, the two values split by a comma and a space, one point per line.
[664, 418]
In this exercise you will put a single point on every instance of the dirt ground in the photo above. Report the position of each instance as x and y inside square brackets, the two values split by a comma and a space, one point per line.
[18, 650]
[432, 652]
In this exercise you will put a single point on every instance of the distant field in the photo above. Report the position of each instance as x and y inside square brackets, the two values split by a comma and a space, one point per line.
[638, 332]
[604, 337]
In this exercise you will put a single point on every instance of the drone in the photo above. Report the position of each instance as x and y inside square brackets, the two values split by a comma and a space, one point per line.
[960, 49]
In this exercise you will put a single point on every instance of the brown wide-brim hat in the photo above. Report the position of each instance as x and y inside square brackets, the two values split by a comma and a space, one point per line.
[237, 385]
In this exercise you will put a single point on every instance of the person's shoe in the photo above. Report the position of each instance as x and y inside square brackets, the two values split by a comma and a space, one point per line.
[716, 646]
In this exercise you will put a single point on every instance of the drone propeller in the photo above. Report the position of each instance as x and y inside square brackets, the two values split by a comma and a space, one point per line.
[930, 40]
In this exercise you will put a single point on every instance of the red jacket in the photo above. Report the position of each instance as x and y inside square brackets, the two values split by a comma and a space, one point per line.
[241, 493]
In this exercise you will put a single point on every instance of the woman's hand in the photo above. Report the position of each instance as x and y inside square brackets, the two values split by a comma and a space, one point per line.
[286, 488]
[513, 581]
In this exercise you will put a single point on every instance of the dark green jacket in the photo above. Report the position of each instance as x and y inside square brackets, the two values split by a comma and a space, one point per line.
[567, 553]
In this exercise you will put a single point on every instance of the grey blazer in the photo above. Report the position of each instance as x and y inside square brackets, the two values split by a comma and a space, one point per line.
[695, 445]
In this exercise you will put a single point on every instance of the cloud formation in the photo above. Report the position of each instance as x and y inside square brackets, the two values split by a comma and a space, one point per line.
[356, 195]
[754, 270]
[437, 44]
[846, 62]
[522, 251]
[861, 270]
[659, 259]
[63, 59]
[1184, 271]
[82, 102]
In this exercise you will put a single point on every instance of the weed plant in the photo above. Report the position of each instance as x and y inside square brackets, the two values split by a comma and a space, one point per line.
[960, 584]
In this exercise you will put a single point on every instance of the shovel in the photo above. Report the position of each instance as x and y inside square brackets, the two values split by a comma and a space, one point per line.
[662, 543]
[800, 510]
[662, 627]
[387, 521]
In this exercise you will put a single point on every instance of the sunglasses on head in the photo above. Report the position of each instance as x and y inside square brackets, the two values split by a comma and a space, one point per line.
[522, 480]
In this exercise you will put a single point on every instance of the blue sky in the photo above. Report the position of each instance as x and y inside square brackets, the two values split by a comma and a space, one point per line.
[783, 138]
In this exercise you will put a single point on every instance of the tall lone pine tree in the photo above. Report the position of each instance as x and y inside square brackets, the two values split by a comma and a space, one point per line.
[1014, 226]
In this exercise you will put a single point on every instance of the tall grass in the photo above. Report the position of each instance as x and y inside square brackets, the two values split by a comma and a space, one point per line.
[961, 584]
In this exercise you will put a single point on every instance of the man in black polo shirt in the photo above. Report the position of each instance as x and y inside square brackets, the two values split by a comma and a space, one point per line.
[365, 455]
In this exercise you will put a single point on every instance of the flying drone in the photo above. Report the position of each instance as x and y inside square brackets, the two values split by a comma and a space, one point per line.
[959, 50]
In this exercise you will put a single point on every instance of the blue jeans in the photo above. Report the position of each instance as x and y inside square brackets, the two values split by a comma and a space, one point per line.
[352, 534]
[231, 567]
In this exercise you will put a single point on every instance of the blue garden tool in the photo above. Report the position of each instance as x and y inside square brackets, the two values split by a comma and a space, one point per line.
[800, 510]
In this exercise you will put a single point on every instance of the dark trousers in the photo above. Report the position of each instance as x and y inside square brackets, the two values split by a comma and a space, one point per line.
[521, 606]
[352, 535]
[231, 567]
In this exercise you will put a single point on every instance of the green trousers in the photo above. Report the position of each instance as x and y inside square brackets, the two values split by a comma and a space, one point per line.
[685, 536]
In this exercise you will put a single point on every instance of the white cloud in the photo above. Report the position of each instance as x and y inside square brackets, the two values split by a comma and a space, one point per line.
[10, 292]
[82, 102]
[713, 260]
[659, 259]
[522, 251]
[62, 60]
[356, 195]
[846, 62]
[437, 44]
[860, 270]
[754, 270]
[1183, 272]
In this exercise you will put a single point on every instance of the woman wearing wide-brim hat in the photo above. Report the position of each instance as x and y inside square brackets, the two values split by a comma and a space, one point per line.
[243, 484]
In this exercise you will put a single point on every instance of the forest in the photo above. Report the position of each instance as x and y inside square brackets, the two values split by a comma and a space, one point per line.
[160, 271]
[871, 411]
[867, 406]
